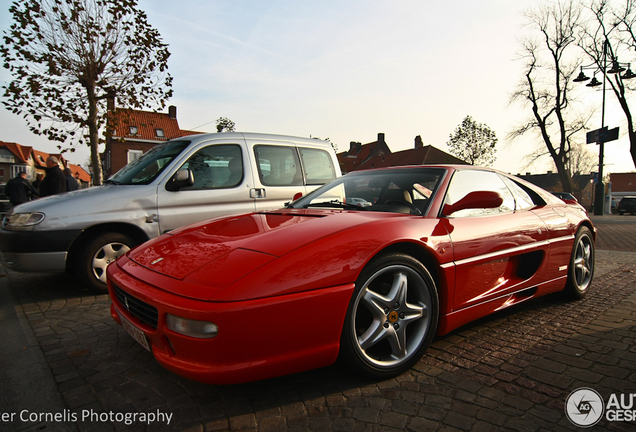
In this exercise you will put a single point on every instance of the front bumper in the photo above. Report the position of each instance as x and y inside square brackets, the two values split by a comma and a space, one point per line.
[36, 251]
[257, 339]
[35, 262]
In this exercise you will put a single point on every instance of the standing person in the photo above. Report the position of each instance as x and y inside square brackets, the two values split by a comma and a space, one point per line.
[71, 183]
[38, 180]
[54, 181]
[18, 189]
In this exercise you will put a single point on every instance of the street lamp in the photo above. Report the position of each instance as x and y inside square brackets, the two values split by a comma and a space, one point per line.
[617, 67]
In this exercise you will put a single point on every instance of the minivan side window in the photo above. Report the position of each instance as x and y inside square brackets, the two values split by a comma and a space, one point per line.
[278, 165]
[318, 166]
[215, 167]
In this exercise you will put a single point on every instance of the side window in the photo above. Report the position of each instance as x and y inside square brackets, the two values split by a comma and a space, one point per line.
[467, 181]
[215, 167]
[318, 166]
[522, 197]
[278, 165]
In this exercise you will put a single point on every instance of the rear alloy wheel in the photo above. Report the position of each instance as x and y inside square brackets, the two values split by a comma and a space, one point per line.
[97, 255]
[392, 317]
[581, 270]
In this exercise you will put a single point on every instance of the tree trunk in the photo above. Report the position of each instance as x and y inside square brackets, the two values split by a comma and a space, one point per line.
[93, 136]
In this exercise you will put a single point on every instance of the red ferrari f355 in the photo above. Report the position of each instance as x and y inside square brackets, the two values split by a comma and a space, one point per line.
[366, 269]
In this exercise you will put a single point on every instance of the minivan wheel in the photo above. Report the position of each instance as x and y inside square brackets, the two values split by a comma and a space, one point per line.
[96, 255]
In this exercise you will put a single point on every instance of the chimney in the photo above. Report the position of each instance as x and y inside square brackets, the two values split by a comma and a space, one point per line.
[110, 102]
[172, 111]
[354, 147]
[380, 137]
[418, 142]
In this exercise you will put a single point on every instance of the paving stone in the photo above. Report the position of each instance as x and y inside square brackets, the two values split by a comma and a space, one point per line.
[508, 372]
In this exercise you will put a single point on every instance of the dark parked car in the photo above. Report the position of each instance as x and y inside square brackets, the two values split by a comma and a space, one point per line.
[627, 205]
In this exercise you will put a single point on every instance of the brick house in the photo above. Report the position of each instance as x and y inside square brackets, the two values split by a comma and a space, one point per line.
[134, 132]
[622, 185]
[583, 188]
[377, 155]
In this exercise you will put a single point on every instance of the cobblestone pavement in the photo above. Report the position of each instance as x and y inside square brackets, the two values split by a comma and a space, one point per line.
[511, 371]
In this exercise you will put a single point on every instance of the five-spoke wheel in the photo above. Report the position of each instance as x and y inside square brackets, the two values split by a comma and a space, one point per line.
[392, 316]
[581, 269]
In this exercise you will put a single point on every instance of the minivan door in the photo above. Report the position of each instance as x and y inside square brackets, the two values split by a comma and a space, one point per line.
[284, 169]
[222, 183]
[279, 175]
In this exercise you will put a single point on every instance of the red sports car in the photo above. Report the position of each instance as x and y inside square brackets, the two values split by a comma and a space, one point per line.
[259, 295]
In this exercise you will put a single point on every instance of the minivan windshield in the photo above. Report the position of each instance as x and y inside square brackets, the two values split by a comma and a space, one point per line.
[145, 169]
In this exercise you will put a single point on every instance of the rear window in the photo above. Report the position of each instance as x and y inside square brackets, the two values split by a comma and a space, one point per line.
[318, 166]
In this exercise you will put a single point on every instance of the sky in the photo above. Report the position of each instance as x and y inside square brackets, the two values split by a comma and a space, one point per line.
[346, 70]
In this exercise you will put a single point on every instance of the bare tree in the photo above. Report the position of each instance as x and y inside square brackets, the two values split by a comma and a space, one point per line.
[606, 38]
[550, 63]
[473, 142]
[68, 56]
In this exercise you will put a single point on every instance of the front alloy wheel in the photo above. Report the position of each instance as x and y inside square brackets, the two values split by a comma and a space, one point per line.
[392, 317]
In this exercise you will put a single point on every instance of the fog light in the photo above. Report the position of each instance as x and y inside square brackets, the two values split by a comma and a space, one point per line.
[193, 328]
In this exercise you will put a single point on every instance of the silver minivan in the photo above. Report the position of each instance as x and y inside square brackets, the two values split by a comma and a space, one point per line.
[177, 183]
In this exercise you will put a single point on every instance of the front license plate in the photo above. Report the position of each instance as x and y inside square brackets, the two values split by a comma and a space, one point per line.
[137, 334]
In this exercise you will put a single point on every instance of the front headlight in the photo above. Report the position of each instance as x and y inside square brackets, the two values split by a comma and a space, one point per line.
[17, 221]
[193, 328]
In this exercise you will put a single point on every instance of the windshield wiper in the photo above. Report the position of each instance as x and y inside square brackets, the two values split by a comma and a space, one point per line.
[109, 181]
[335, 204]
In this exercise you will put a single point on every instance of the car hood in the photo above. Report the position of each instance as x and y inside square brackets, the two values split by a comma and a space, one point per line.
[85, 207]
[232, 247]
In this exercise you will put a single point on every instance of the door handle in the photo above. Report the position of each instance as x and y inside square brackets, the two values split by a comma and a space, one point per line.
[258, 193]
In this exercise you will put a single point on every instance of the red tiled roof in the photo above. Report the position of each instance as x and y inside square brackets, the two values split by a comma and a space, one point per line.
[416, 156]
[21, 152]
[147, 123]
[39, 158]
[80, 173]
[189, 132]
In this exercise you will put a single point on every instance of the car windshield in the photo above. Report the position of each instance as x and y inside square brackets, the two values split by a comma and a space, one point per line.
[407, 190]
[145, 169]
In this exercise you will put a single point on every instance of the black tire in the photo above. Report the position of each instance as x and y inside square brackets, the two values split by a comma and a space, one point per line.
[581, 269]
[392, 317]
[96, 255]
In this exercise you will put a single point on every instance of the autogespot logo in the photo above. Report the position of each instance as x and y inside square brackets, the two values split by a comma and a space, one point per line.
[584, 407]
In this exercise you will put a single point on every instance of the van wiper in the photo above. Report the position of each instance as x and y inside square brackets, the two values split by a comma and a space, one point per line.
[335, 204]
[109, 181]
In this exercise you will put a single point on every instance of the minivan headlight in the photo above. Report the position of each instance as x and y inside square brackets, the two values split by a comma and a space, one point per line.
[193, 328]
[22, 220]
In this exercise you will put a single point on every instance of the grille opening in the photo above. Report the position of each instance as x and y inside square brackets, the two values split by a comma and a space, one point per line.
[145, 313]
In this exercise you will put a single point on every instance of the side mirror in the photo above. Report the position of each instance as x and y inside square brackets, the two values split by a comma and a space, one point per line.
[182, 178]
[297, 196]
[475, 200]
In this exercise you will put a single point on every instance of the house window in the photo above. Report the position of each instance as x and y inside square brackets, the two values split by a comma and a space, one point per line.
[6, 156]
[159, 133]
[133, 130]
[17, 169]
[133, 155]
